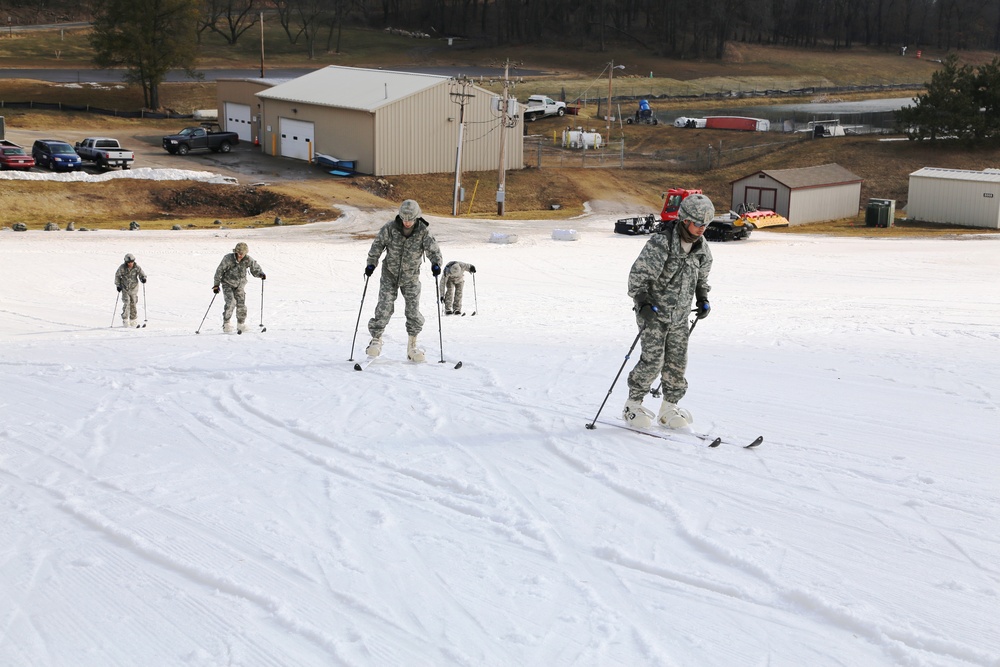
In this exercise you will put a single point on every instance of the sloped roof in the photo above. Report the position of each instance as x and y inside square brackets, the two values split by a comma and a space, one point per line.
[352, 87]
[985, 176]
[810, 177]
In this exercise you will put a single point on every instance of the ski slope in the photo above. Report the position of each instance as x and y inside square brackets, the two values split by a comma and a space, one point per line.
[178, 499]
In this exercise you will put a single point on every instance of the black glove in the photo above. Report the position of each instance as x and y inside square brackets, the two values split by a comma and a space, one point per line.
[436, 270]
[442, 299]
[263, 276]
[648, 311]
[472, 268]
[117, 287]
[370, 269]
[142, 280]
[215, 289]
[704, 308]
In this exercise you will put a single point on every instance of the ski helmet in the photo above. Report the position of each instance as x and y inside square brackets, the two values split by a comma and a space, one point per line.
[129, 258]
[241, 248]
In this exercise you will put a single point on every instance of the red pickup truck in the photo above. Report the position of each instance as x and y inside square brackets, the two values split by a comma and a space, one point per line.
[13, 156]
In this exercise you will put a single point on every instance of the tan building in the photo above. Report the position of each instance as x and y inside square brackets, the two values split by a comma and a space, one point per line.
[387, 122]
[239, 108]
[955, 197]
[807, 194]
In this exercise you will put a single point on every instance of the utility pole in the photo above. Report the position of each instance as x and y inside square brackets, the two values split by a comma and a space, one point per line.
[262, 45]
[611, 71]
[507, 120]
[459, 96]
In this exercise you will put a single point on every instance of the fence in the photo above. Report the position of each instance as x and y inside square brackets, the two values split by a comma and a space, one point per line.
[540, 153]
[86, 108]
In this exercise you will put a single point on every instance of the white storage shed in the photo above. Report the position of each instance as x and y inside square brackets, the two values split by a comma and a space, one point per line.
[955, 197]
[807, 194]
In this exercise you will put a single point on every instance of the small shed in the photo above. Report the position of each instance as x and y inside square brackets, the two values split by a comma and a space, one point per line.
[807, 194]
[955, 197]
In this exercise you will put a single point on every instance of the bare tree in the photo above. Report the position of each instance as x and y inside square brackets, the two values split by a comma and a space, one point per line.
[229, 18]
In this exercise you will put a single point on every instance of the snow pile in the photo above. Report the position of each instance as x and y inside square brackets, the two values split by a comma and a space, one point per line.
[180, 499]
[143, 173]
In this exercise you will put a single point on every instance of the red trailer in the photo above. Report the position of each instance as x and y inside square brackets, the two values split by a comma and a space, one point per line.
[737, 123]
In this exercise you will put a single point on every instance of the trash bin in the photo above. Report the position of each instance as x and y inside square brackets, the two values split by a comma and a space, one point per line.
[880, 212]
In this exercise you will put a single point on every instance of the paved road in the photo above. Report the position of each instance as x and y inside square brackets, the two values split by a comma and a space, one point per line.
[175, 76]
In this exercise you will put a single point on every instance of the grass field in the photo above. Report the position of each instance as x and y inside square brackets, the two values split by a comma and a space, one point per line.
[884, 166]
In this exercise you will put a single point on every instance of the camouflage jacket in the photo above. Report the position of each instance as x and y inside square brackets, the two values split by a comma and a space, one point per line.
[128, 279]
[403, 254]
[455, 272]
[233, 273]
[671, 277]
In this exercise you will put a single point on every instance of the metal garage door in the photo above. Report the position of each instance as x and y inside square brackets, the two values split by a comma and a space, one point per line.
[296, 138]
[238, 120]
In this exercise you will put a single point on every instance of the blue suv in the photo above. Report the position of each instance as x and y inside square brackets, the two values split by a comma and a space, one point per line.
[55, 155]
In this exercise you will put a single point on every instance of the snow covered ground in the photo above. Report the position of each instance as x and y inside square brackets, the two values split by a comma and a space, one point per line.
[169, 498]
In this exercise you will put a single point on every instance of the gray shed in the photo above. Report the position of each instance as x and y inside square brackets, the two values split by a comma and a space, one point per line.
[387, 122]
[807, 194]
[955, 197]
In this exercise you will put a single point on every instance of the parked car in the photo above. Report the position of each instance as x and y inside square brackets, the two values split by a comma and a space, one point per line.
[55, 155]
[540, 106]
[13, 156]
[206, 135]
[104, 152]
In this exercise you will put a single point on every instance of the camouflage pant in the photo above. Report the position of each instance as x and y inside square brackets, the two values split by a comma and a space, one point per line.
[236, 299]
[664, 353]
[130, 301]
[453, 295]
[387, 293]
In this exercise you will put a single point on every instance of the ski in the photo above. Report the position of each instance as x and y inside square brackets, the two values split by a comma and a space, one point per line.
[674, 436]
[362, 365]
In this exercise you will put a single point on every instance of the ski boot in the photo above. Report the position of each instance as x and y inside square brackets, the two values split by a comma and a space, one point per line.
[635, 415]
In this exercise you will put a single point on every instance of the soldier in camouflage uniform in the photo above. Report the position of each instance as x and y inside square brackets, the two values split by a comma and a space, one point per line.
[452, 285]
[671, 270]
[127, 279]
[231, 276]
[405, 240]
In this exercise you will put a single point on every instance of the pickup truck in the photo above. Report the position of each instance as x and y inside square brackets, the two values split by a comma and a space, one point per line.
[206, 135]
[104, 152]
[13, 156]
[540, 106]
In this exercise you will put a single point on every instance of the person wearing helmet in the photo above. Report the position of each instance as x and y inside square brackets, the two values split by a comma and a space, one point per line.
[452, 286]
[405, 240]
[231, 277]
[670, 272]
[127, 279]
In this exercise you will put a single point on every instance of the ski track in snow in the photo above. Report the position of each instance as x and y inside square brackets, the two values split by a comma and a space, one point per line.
[253, 500]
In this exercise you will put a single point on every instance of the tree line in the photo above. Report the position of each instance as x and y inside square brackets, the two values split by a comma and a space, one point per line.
[150, 37]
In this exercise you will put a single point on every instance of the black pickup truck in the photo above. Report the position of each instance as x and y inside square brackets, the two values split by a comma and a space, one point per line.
[206, 135]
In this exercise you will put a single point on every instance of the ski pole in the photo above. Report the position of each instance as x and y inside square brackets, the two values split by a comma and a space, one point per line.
[655, 393]
[206, 313]
[474, 295]
[262, 327]
[115, 309]
[613, 382]
[145, 306]
[356, 324]
[437, 301]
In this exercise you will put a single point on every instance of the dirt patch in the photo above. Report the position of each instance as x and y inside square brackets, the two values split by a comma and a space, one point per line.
[202, 199]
